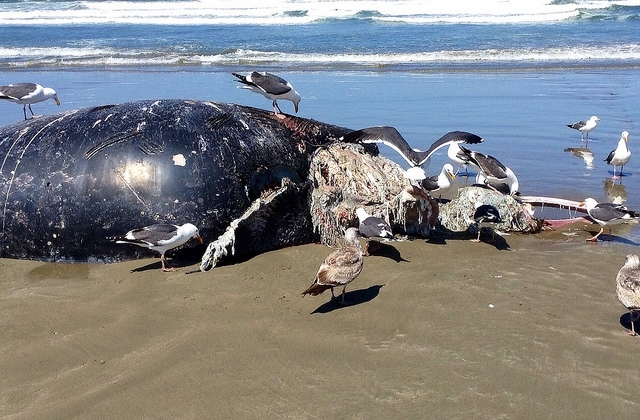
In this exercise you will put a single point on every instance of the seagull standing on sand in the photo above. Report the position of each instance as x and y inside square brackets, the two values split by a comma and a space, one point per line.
[27, 94]
[492, 170]
[607, 214]
[621, 155]
[441, 181]
[585, 126]
[160, 237]
[416, 158]
[340, 267]
[485, 215]
[628, 288]
[271, 86]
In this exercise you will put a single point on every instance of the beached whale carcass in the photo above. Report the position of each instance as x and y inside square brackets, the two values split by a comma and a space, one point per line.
[69, 181]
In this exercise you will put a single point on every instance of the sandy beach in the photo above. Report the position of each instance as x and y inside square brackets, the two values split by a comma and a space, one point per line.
[529, 327]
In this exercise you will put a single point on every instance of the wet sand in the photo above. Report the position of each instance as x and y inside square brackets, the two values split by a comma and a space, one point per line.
[529, 327]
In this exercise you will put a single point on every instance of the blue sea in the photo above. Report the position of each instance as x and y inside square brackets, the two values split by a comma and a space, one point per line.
[515, 72]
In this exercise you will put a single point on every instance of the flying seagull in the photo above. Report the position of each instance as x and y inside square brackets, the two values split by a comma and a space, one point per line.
[27, 94]
[271, 86]
[340, 267]
[621, 155]
[160, 237]
[416, 158]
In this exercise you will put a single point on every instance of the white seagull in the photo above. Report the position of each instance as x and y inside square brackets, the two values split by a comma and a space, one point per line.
[372, 226]
[485, 215]
[441, 181]
[272, 87]
[340, 267]
[415, 157]
[160, 237]
[585, 126]
[607, 214]
[27, 94]
[492, 170]
[620, 155]
[628, 288]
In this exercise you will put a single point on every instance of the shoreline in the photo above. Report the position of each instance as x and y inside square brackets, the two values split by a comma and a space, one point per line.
[526, 328]
[473, 67]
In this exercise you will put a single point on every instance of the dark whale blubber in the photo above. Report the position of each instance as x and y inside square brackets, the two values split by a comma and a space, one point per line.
[68, 181]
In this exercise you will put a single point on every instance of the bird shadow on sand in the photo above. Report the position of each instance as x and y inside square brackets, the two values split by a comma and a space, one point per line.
[152, 266]
[352, 298]
[171, 263]
[387, 251]
[617, 239]
[498, 241]
[440, 237]
[625, 321]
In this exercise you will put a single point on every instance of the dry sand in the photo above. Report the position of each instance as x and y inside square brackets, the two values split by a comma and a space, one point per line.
[530, 328]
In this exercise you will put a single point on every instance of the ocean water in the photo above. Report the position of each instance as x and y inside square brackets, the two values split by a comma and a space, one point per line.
[319, 35]
[513, 72]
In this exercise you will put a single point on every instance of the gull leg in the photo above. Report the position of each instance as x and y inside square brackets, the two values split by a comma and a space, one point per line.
[478, 238]
[163, 259]
[632, 332]
[341, 301]
[595, 238]
[24, 110]
[609, 235]
[466, 171]
[31, 110]
[277, 110]
[633, 320]
[614, 173]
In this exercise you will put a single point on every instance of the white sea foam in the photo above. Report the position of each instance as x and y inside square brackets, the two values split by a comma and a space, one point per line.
[294, 12]
[72, 57]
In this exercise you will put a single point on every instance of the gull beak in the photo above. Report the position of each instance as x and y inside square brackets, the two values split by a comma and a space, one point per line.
[199, 239]
[55, 98]
[295, 106]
